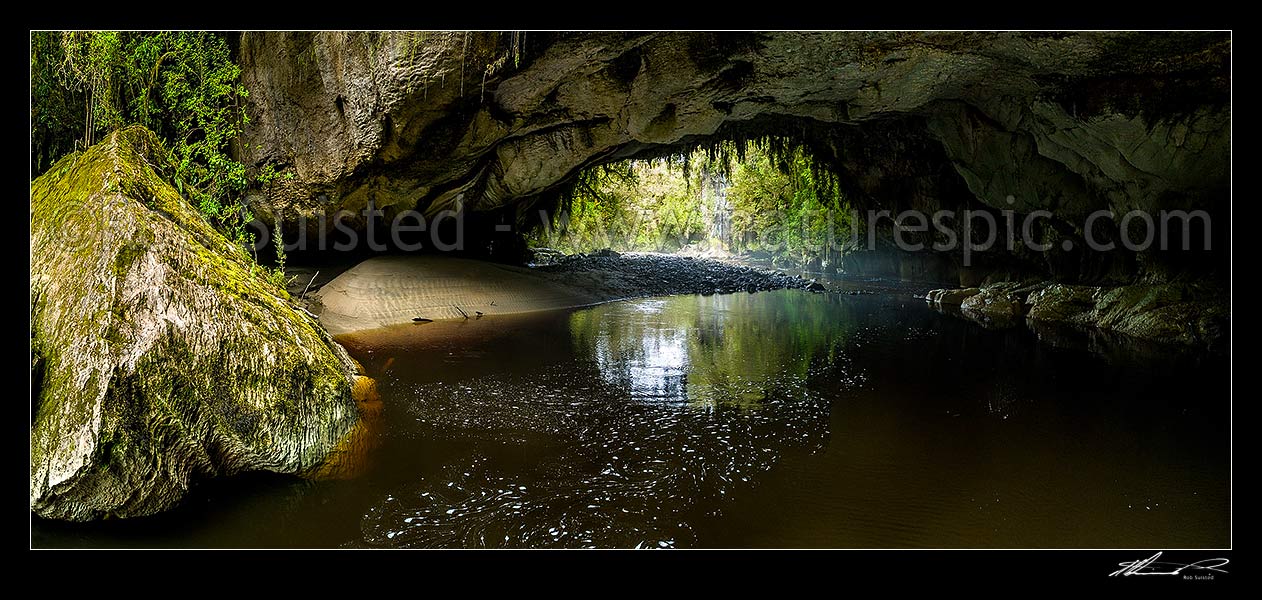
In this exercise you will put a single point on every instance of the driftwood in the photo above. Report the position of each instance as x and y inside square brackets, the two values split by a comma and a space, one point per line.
[461, 311]
[304, 290]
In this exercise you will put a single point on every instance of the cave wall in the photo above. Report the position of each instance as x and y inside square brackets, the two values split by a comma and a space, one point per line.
[1068, 123]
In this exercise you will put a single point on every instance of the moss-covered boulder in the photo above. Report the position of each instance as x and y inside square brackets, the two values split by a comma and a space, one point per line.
[159, 355]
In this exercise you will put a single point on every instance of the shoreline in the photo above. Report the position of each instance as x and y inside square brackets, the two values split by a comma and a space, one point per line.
[397, 290]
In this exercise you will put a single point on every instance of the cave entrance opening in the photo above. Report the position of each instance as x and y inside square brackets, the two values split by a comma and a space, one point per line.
[763, 200]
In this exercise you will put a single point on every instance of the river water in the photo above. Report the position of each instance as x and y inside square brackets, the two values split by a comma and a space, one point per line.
[776, 419]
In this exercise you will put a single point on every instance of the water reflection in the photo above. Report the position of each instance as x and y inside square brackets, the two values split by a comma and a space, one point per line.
[781, 419]
[665, 414]
[655, 418]
[644, 354]
[708, 351]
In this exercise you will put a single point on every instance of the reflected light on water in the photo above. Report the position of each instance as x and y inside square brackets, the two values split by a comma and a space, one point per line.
[654, 367]
[781, 419]
[638, 451]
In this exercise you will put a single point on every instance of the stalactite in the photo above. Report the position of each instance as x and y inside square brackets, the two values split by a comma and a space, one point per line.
[463, 51]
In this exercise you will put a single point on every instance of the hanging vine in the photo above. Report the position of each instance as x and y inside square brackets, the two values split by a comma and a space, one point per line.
[183, 86]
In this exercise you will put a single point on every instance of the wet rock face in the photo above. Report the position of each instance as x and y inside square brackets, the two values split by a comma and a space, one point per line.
[159, 356]
[998, 305]
[1067, 123]
[946, 297]
[1190, 314]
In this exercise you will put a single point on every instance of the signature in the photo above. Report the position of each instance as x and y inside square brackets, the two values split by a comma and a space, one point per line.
[1151, 566]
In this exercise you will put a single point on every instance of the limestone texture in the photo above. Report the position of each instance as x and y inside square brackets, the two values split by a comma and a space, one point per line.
[159, 356]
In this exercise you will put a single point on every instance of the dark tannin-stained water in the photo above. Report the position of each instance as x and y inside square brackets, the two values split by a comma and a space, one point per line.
[776, 419]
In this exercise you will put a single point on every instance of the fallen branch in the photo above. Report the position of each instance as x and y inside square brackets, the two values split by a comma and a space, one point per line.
[461, 310]
[304, 290]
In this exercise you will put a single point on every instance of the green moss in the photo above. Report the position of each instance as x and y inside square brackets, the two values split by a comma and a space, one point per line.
[126, 257]
[159, 345]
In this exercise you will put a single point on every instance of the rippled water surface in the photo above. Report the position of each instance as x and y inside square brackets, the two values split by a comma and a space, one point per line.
[779, 419]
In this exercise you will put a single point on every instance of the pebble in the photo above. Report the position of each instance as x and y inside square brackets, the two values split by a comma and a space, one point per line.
[654, 274]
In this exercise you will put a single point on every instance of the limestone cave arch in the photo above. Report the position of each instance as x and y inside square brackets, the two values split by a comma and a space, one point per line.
[489, 123]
